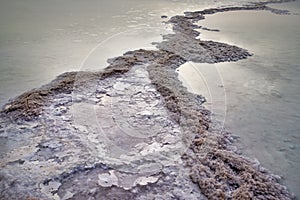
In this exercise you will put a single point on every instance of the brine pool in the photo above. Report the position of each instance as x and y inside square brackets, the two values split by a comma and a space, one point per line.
[256, 99]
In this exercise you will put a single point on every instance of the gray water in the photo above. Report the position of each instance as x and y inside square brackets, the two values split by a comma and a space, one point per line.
[40, 39]
[258, 98]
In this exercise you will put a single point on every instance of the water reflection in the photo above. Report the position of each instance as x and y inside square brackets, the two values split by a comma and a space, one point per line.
[263, 91]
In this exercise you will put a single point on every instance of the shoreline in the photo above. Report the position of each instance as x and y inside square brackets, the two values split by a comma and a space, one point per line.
[215, 167]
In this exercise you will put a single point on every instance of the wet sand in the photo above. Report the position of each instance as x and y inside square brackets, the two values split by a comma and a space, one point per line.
[131, 130]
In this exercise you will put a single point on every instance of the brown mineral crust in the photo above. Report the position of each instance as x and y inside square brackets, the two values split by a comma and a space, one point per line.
[219, 172]
[184, 24]
[234, 176]
[254, 6]
[28, 106]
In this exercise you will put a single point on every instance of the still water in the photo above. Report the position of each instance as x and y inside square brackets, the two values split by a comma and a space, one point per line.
[40, 39]
[258, 98]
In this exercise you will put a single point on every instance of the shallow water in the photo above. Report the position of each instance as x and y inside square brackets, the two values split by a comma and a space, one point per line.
[261, 99]
[256, 98]
[42, 39]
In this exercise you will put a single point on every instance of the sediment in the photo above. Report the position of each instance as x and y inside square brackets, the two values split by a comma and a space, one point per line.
[131, 131]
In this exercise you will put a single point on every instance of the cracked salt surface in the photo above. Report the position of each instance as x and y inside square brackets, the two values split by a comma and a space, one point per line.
[145, 156]
[126, 129]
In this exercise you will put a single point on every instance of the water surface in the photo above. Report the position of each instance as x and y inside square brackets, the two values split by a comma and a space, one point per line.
[40, 39]
[257, 98]
[261, 99]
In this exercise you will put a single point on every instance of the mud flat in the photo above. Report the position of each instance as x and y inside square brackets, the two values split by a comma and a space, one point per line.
[131, 131]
